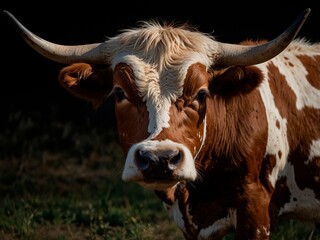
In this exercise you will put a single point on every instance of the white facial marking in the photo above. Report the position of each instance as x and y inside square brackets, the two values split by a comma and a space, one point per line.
[158, 86]
[158, 97]
[158, 115]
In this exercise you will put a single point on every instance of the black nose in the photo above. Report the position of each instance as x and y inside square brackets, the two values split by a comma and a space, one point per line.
[158, 163]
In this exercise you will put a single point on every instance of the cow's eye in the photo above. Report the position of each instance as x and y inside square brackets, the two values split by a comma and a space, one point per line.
[119, 94]
[201, 96]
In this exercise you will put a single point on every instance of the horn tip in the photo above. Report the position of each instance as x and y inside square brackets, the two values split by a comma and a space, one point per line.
[7, 13]
[306, 12]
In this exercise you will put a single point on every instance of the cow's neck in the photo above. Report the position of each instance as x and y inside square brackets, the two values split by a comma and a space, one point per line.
[198, 205]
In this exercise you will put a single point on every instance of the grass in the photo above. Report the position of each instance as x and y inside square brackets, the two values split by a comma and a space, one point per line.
[60, 181]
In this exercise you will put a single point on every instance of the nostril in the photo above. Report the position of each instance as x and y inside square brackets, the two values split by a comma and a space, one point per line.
[145, 160]
[174, 160]
[157, 162]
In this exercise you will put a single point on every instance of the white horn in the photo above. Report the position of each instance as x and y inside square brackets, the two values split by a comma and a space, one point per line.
[90, 53]
[241, 55]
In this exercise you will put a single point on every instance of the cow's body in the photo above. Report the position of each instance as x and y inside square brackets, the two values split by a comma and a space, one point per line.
[225, 148]
[264, 151]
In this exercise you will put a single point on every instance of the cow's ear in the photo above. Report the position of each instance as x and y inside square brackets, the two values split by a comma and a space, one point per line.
[235, 80]
[88, 82]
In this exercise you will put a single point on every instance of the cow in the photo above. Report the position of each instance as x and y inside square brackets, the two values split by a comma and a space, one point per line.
[226, 135]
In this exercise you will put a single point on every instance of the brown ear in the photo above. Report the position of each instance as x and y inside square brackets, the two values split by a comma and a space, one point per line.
[235, 81]
[87, 82]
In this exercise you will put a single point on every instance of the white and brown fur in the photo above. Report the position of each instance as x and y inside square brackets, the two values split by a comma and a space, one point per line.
[247, 138]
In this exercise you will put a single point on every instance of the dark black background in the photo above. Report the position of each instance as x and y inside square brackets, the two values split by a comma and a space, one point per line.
[29, 81]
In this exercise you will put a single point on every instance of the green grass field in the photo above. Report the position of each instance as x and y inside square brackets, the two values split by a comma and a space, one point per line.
[59, 181]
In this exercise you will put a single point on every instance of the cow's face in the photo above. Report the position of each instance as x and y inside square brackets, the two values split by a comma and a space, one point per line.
[161, 122]
[160, 119]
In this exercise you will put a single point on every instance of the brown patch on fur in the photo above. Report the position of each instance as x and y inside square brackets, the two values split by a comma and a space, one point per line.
[312, 66]
[131, 113]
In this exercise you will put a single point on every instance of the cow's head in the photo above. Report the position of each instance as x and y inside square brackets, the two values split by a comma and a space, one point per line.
[162, 77]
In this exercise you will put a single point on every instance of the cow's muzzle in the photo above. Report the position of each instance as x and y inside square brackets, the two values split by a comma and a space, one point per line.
[152, 163]
[158, 164]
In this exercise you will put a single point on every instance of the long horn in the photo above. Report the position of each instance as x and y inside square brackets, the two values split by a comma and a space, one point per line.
[90, 53]
[241, 55]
